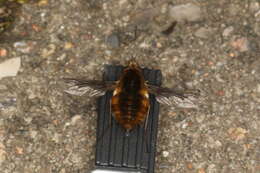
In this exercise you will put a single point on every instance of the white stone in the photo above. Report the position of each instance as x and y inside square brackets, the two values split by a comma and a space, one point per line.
[75, 119]
[10, 67]
[165, 153]
[33, 133]
[227, 31]
[203, 32]
[186, 12]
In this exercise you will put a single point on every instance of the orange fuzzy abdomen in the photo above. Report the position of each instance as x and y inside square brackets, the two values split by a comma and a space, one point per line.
[130, 109]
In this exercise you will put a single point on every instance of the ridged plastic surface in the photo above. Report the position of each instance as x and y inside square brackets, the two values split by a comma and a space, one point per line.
[115, 150]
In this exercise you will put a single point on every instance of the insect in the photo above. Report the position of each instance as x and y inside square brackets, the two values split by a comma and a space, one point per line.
[130, 100]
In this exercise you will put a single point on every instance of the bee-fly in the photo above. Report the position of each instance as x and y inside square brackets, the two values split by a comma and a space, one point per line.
[130, 100]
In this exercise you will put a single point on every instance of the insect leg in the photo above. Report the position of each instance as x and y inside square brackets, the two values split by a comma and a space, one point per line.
[146, 132]
[110, 114]
[146, 119]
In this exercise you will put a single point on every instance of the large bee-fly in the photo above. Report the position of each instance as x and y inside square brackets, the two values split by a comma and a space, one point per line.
[130, 100]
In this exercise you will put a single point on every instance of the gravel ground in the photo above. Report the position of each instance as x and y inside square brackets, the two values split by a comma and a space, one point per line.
[214, 46]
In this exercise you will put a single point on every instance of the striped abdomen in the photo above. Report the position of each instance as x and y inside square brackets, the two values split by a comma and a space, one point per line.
[130, 100]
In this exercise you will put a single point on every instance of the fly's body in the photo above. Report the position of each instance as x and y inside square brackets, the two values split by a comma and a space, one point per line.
[130, 100]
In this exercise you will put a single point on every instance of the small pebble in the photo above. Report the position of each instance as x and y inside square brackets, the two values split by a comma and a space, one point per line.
[203, 32]
[211, 168]
[186, 12]
[123, 2]
[201, 170]
[36, 28]
[33, 133]
[113, 40]
[75, 119]
[165, 153]
[214, 143]
[254, 6]
[3, 52]
[75, 158]
[19, 150]
[24, 47]
[241, 44]
[56, 137]
[234, 9]
[257, 16]
[144, 45]
[7, 103]
[219, 79]
[48, 51]
[2, 153]
[257, 28]
[1, 106]
[237, 133]
[185, 125]
[227, 31]
[68, 45]
[189, 165]
[200, 118]
[43, 2]
[258, 88]
[10, 67]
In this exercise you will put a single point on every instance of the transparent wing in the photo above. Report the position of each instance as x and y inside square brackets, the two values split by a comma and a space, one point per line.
[176, 97]
[91, 88]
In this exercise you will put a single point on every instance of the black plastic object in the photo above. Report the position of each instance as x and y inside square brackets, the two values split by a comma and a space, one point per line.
[114, 149]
